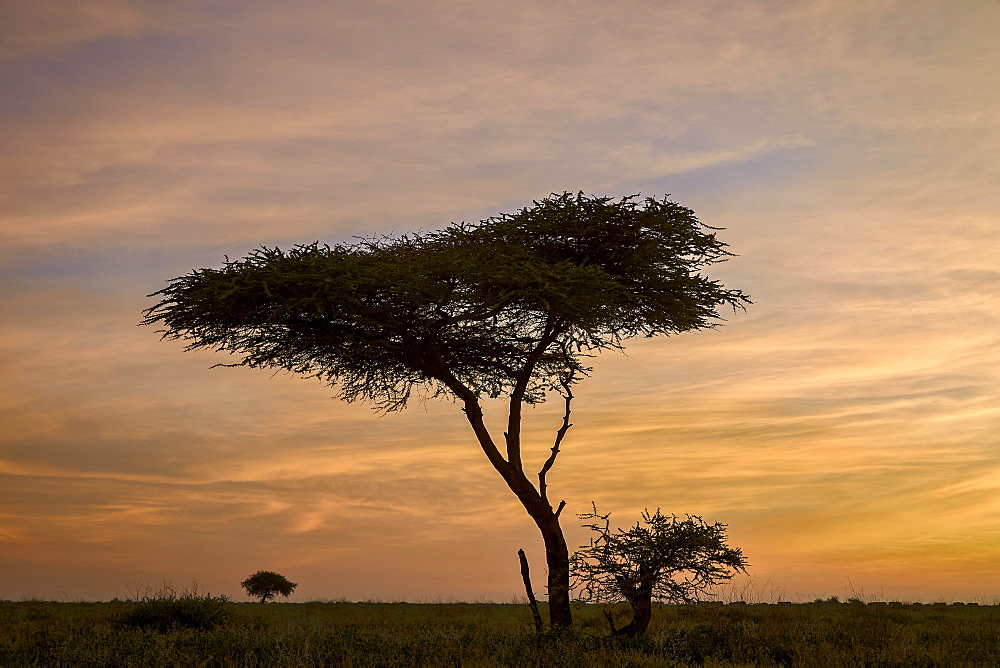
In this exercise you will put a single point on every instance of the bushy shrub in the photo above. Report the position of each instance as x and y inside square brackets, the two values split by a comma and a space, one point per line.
[169, 609]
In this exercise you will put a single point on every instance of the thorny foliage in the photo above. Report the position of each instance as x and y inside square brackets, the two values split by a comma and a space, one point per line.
[669, 559]
[511, 305]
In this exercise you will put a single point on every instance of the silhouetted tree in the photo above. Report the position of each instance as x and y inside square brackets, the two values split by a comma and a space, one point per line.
[265, 584]
[507, 307]
[669, 559]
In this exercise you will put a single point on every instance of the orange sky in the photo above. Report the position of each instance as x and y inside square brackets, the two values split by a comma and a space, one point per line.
[845, 427]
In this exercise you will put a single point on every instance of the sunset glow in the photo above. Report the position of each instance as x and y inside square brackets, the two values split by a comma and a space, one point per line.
[845, 427]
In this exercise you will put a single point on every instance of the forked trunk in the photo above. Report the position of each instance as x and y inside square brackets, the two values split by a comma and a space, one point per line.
[556, 551]
[539, 509]
[640, 597]
[642, 611]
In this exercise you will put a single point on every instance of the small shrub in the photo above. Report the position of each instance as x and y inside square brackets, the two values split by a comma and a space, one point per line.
[168, 609]
[832, 599]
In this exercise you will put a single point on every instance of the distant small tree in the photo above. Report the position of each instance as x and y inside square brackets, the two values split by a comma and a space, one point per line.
[669, 559]
[265, 584]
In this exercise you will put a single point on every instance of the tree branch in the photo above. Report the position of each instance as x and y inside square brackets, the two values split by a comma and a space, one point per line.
[555, 446]
[513, 433]
[474, 414]
[513, 476]
[539, 626]
[611, 621]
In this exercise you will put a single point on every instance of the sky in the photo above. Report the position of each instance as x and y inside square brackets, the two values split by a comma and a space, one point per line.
[846, 427]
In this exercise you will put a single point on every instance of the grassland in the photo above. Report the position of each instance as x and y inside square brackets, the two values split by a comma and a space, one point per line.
[398, 634]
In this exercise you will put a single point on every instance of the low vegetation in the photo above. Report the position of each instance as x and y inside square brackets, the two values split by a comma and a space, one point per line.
[826, 633]
[169, 609]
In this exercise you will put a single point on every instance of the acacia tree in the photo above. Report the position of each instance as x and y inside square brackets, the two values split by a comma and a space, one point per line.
[265, 584]
[669, 559]
[508, 307]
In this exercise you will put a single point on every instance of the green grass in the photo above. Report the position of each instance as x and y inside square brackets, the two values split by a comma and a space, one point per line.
[399, 634]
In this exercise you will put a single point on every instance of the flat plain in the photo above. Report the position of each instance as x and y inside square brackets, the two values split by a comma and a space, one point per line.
[215, 632]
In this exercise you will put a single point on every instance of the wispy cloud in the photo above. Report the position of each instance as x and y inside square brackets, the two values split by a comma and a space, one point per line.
[843, 427]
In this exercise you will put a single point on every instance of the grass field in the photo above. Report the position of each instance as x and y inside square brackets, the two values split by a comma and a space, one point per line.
[400, 634]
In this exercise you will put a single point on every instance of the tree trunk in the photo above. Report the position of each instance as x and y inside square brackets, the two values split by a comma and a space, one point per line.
[556, 551]
[557, 560]
[642, 611]
[539, 509]
[641, 600]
